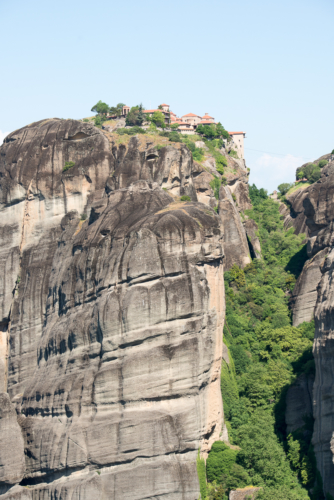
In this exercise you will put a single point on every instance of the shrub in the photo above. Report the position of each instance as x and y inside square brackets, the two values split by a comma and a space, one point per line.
[233, 153]
[85, 120]
[234, 198]
[201, 472]
[131, 131]
[68, 165]
[322, 163]
[83, 217]
[175, 137]
[220, 461]
[215, 186]
[185, 198]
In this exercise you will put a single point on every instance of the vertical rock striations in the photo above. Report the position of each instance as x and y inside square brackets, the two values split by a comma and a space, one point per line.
[112, 311]
[314, 292]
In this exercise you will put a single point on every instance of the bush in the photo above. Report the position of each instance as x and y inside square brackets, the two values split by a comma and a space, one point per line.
[322, 163]
[215, 186]
[175, 137]
[68, 165]
[131, 131]
[220, 461]
[185, 198]
[200, 463]
[83, 216]
[233, 153]
[257, 195]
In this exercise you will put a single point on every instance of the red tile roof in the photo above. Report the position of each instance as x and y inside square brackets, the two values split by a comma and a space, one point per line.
[151, 110]
[164, 105]
[234, 133]
[206, 116]
[190, 114]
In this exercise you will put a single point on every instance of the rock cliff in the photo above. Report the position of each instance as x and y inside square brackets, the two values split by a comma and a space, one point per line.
[112, 310]
[313, 294]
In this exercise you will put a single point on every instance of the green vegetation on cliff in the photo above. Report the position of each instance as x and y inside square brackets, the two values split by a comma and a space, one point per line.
[266, 354]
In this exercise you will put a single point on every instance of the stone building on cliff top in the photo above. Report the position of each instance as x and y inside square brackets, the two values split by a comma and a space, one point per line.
[188, 124]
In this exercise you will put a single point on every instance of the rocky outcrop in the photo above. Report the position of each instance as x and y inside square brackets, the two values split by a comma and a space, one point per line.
[111, 315]
[304, 295]
[315, 286]
[299, 402]
[323, 351]
[253, 238]
[12, 464]
[294, 216]
[247, 493]
[235, 240]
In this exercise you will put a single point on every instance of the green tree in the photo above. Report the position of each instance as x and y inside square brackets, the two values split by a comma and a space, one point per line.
[159, 119]
[117, 110]
[322, 163]
[220, 461]
[284, 188]
[100, 108]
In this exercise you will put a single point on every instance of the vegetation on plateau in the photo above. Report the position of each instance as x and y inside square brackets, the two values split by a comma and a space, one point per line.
[266, 355]
[311, 171]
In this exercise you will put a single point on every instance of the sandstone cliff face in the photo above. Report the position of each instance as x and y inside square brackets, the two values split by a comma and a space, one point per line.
[235, 240]
[314, 288]
[304, 295]
[111, 321]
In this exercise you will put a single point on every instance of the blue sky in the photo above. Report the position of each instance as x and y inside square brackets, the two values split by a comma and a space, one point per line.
[262, 67]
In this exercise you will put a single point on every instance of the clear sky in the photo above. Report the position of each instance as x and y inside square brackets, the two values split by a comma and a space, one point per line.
[258, 66]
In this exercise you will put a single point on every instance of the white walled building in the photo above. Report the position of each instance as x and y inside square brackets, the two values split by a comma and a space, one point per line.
[238, 140]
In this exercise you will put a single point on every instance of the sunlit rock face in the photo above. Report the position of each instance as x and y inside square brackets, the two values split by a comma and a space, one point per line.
[314, 296]
[112, 309]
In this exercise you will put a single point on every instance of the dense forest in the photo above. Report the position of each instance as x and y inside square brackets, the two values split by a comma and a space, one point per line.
[266, 355]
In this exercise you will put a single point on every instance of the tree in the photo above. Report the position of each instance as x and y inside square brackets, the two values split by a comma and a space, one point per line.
[284, 188]
[117, 110]
[315, 176]
[140, 115]
[135, 117]
[100, 108]
[220, 460]
[322, 163]
[159, 119]
[174, 126]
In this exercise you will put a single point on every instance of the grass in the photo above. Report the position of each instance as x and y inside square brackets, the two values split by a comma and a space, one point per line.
[299, 185]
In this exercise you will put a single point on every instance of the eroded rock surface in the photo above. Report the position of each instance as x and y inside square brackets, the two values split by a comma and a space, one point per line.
[235, 240]
[304, 296]
[112, 317]
[318, 203]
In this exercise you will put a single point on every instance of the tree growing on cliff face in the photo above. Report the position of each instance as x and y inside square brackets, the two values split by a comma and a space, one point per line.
[284, 187]
[100, 107]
